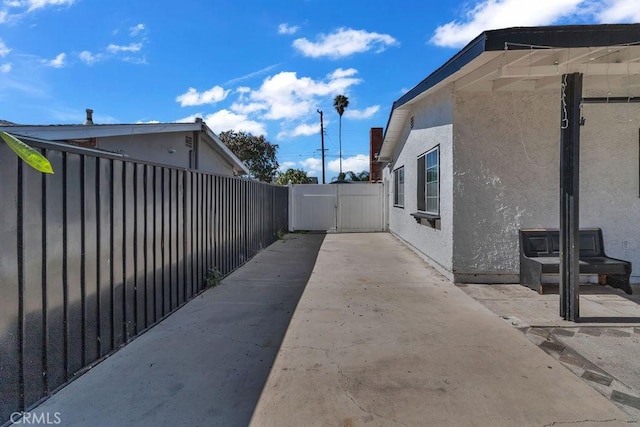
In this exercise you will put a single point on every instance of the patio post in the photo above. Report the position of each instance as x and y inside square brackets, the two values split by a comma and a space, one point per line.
[570, 121]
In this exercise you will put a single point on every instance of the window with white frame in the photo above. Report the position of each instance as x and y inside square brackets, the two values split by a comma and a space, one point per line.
[398, 187]
[429, 182]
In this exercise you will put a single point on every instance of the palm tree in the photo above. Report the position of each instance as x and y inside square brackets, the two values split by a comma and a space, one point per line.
[340, 102]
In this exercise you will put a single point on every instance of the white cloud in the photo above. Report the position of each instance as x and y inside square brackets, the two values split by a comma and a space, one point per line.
[88, 57]
[283, 96]
[133, 47]
[357, 164]
[225, 120]
[39, 4]
[344, 42]
[494, 14]
[619, 11]
[16, 9]
[361, 114]
[5, 68]
[287, 29]
[135, 30]
[311, 165]
[287, 96]
[4, 50]
[301, 130]
[286, 165]
[189, 119]
[135, 59]
[251, 75]
[193, 97]
[249, 108]
[340, 73]
[57, 62]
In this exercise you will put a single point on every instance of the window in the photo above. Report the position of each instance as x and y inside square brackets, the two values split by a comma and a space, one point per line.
[398, 187]
[429, 182]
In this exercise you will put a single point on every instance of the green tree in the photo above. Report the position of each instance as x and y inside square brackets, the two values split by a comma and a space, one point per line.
[340, 102]
[352, 176]
[293, 176]
[363, 176]
[258, 154]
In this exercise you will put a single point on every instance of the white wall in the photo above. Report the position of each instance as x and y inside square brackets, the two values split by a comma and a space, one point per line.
[609, 185]
[432, 127]
[506, 177]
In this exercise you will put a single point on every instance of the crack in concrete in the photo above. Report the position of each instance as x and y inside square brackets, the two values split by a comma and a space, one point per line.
[557, 423]
[321, 348]
[355, 402]
[308, 347]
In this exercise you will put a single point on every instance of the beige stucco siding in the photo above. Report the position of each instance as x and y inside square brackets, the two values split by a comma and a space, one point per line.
[506, 177]
[212, 162]
[168, 149]
[499, 172]
[432, 127]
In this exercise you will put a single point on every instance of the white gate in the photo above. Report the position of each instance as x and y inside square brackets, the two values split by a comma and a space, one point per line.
[337, 207]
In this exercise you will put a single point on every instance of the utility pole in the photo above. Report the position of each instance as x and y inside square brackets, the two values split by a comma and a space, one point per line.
[322, 147]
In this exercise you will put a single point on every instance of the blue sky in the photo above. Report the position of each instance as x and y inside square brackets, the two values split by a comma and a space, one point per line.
[262, 67]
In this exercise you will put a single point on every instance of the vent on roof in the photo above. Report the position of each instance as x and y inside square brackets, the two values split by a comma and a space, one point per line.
[89, 119]
[412, 121]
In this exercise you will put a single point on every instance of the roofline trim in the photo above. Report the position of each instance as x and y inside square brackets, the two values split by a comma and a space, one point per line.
[520, 38]
[225, 150]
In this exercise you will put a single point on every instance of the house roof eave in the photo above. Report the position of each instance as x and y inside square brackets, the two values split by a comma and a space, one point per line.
[396, 118]
[516, 38]
[217, 144]
[65, 132]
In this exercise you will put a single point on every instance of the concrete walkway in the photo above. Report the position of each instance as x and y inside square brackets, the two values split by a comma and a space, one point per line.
[378, 338]
[204, 365]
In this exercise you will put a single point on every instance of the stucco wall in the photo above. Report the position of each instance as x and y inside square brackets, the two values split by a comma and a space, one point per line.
[609, 185]
[432, 127]
[153, 148]
[212, 162]
[168, 149]
[506, 177]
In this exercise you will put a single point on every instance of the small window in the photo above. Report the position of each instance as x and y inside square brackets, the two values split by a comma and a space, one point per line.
[398, 187]
[429, 182]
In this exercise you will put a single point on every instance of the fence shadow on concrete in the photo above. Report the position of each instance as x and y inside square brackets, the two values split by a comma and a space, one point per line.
[103, 249]
[207, 363]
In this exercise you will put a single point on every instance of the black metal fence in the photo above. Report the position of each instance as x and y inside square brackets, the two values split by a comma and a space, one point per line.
[105, 248]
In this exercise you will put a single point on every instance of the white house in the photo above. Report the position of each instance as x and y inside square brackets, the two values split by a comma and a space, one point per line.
[472, 152]
[186, 145]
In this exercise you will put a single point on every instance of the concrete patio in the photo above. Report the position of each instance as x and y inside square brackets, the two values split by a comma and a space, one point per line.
[348, 330]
